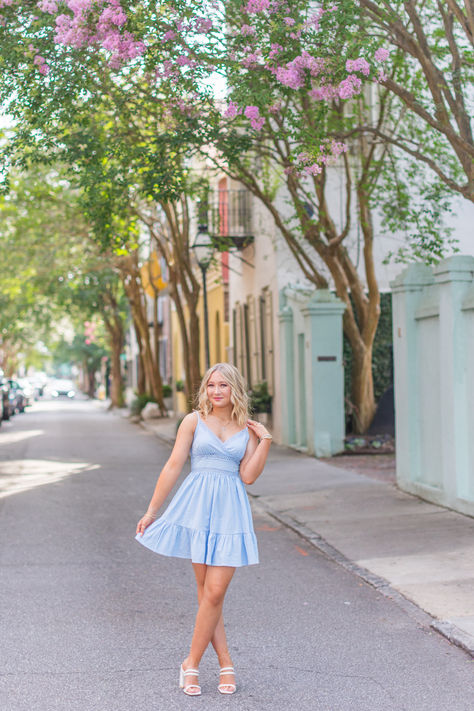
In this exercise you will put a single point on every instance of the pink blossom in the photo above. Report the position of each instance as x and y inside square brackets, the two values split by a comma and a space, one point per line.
[253, 113]
[303, 157]
[183, 60]
[203, 24]
[247, 30]
[49, 6]
[290, 76]
[98, 22]
[169, 35]
[313, 169]
[274, 50]
[325, 92]
[349, 87]
[257, 124]
[337, 148]
[358, 65]
[255, 6]
[381, 55]
[250, 60]
[231, 111]
[289, 21]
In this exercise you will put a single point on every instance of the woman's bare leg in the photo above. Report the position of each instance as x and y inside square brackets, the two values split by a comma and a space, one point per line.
[219, 639]
[216, 582]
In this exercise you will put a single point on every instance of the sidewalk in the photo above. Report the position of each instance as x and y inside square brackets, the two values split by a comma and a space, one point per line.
[417, 553]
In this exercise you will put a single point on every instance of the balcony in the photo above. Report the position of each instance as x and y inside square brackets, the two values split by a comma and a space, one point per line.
[229, 219]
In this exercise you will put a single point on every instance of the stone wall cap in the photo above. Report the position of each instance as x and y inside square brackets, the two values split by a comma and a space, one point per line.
[460, 267]
[323, 301]
[416, 275]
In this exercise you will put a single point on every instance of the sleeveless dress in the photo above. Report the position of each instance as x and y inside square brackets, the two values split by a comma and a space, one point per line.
[209, 518]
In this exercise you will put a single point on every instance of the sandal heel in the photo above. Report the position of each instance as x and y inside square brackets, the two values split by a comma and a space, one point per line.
[182, 681]
[226, 688]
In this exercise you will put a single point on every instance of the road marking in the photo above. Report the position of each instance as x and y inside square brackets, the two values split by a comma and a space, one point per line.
[301, 551]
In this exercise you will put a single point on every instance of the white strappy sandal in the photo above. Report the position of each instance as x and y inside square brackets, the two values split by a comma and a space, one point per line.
[222, 687]
[187, 687]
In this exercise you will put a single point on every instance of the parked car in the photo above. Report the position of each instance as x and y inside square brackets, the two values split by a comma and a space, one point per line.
[28, 390]
[16, 396]
[4, 399]
[62, 388]
[38, 382]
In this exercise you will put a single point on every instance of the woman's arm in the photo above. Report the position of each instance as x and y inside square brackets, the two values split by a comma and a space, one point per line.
[171, 471]
[255, 457]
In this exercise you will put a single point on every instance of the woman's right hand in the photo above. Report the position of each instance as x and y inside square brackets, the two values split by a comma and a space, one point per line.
[144, 522]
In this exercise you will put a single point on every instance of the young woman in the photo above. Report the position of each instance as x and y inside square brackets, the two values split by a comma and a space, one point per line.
[209, 518]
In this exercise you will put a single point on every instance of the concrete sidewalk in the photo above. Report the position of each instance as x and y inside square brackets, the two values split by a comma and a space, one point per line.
[417, 553]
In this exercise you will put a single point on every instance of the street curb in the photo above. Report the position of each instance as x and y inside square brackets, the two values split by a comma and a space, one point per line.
[446, 629]
[149, 428]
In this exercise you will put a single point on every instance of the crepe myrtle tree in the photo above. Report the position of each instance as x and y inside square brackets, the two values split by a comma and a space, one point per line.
[288, 119]
[56, 51]
[301, 110]
[286, 67]
[435, 41]
[293, 111]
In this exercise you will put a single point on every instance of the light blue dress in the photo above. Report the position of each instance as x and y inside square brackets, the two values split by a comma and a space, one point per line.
[209, 518]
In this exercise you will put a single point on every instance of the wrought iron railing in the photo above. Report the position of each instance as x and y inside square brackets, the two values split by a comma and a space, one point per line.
[229, 218]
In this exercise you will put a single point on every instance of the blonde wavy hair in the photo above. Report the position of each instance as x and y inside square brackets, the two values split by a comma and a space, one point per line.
[238, 393]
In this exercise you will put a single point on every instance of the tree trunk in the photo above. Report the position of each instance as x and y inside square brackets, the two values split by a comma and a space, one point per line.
[362, 393]
[190, 339]
[91, 383]
[133, 290]
[116, 388]
[114, 325]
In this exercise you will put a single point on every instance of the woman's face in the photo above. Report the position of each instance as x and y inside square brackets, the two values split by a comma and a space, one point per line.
[218, 390]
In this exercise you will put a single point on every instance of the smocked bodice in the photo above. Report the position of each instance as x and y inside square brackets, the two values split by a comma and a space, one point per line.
[208, 452]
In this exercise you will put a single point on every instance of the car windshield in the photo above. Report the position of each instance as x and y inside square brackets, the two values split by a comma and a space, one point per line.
[63, 384]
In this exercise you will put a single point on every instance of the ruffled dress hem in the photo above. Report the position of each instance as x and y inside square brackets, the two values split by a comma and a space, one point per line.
[174, 540]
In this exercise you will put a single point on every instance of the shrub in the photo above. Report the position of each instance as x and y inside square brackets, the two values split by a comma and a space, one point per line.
[167, 390]
[260, 398]
[139, 403]
[382, 358]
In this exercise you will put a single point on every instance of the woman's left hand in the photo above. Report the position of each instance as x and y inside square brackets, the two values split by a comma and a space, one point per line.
[257, 427]
[144, 522]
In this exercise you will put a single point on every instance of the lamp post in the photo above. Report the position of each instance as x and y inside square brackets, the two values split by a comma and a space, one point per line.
[203, 249]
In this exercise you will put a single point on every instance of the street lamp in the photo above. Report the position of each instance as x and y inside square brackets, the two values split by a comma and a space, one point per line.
[203, 249]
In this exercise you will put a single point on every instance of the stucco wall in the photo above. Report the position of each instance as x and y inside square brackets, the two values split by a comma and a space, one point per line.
[433, 321]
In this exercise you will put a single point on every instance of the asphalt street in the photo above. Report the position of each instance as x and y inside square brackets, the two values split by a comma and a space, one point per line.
[92, 621]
